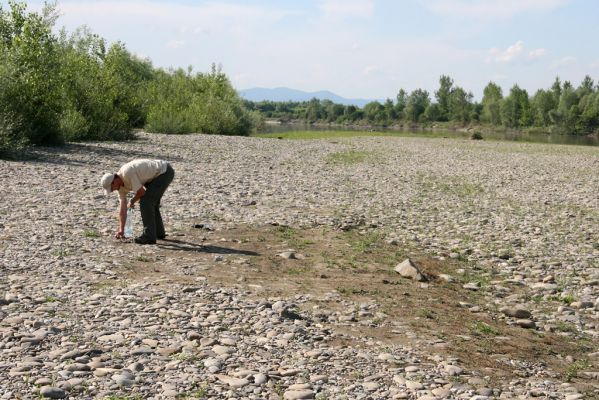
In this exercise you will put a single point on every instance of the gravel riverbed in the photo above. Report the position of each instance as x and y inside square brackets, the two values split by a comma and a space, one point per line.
[524, 216]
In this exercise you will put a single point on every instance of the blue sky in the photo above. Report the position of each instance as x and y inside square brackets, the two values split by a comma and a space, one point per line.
[356, 48]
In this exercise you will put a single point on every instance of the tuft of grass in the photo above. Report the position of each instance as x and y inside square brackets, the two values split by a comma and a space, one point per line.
[566, 327]
[357, 291]
[426, 313]
[297, 270]
[574, 368]
[482, 328]
[52, 299]
[142, 259]
[286, 232]
[91, 233]
[62, 252]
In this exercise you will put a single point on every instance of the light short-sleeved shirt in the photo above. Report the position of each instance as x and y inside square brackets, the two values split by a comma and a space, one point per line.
[137, 173]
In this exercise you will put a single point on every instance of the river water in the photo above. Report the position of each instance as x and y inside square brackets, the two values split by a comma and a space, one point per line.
[509, 136]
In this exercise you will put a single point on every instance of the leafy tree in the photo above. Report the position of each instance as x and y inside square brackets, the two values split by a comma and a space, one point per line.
[30, 88]
[401, 103]
[542, 104]
[443, 96]
[432, 112]
[314, 111]
[417, 102]
[460, 105]
[183, 102]
[374, 112]
[492, 96]
[390, 112]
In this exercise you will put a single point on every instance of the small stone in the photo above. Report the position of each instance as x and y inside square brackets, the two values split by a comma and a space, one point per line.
[232, 381]
[52, 392]
[260, 379]
[526, 323]
[298, 394]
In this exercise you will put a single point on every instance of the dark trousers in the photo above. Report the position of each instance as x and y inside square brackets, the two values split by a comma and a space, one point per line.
[149, 204]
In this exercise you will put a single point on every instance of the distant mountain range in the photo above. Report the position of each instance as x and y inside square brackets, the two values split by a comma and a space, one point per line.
[286, 94]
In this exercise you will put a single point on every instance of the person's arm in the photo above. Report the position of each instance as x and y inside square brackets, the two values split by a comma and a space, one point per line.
[138, 195]
[122, 218]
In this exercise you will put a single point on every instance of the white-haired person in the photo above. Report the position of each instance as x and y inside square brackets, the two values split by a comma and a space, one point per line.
[148, 180]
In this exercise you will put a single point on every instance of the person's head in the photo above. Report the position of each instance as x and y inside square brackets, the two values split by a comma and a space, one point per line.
[111, 182]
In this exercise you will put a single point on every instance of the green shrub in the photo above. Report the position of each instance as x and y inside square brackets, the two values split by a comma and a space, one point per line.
[182, 102]
[29, 73]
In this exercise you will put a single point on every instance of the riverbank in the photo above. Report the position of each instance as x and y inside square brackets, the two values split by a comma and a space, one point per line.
[533, 135]
[277, 278]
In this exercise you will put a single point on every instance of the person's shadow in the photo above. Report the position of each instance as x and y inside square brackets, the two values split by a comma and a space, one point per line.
[181, 245]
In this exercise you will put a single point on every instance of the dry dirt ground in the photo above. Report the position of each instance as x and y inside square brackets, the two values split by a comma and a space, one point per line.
[358, 265]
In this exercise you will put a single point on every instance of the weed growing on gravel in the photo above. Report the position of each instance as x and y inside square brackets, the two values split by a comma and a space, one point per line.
[328, 259]
[347, 157]
[575, 368]
[565, 327]
[482, 328]
[472, 276]
[142, 259]
[426, 313]
[90, 233]
[297, 270]
[278, 389]
[62, 252]
[286, 232]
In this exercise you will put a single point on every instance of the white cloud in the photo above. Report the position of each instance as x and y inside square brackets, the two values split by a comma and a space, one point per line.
[203, 18]
[564, 62]
[371, 69]
[507, 55]
[537, 53]
[175, 44]
[491, 8]
[340, 9]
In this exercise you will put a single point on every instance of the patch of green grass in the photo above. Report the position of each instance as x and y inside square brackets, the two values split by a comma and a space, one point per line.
[574, 368]
[562, 326]
[142, 259]
[62, 252]
[278, 389]
[52, 299]
[366, 243]
[475, 277]
[426, 313]
[297, 270]
[356, 291]
[286, 232]
[328, 259]
[347, 157]
[91, 233]
[482, 328]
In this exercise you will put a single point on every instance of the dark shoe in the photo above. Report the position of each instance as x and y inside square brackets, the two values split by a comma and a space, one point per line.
[144, 240]
[161, 237]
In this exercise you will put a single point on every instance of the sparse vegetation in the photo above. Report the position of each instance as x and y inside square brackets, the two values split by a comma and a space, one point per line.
[574, 368]
[90, 233]
[347, 157]
[482, 328]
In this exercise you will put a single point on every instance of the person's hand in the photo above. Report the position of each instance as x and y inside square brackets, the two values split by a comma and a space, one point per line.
[120, 235]
[131, 204]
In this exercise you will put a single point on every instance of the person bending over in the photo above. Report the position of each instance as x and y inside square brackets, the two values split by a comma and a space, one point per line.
[148, 179]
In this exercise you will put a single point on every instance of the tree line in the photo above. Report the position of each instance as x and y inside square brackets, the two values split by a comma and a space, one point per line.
[57, 87]
[562, 108]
